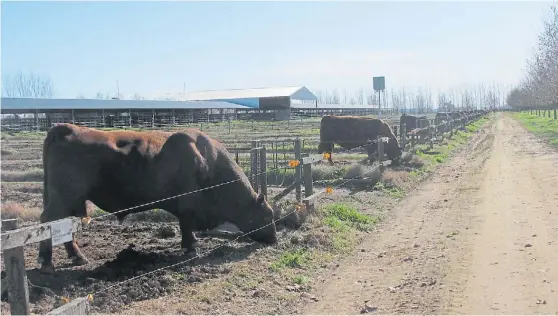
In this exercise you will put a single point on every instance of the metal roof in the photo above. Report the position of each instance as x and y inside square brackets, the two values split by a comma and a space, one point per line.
[295, 92]
[96, 104]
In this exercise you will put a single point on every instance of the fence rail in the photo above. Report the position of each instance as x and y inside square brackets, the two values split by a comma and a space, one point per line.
[15, 283]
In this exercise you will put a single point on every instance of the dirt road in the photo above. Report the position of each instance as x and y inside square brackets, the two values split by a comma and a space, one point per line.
[481, 237]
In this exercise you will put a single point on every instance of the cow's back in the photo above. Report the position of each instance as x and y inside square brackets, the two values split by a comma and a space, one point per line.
[115, 169]
[350, 131]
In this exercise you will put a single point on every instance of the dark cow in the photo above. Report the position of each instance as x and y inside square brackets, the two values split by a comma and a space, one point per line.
[122, 169]
[441, 117]
[413, 122]
[353, 131]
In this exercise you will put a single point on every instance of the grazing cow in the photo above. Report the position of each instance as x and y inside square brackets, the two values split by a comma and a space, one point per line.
[352, 131]
[441, 117]
[413, 122]
[122, 169]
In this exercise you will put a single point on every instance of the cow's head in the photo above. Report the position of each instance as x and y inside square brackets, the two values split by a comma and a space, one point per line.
[258, 221]
[392, 149]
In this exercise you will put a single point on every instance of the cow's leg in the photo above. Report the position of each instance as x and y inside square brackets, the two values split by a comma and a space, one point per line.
[72, 248]
[189, 241]
[329, 159]
[55, 210]
[371, 150]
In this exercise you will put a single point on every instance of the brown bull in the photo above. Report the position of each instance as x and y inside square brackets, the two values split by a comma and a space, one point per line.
[352, 131]
[122, 169]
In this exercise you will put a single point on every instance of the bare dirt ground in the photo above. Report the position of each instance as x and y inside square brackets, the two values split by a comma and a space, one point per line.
[481, 237]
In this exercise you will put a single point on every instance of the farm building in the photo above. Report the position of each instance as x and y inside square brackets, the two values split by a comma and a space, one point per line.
[194, 107]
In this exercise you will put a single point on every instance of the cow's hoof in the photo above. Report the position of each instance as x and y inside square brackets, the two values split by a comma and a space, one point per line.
[47, 269]
[79, 261]
[190, 253]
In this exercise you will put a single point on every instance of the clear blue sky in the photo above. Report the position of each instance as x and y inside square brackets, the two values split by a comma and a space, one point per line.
[155, 47]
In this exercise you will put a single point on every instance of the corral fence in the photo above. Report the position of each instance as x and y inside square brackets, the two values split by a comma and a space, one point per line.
[42, 120]
[429, 134]
[15, 283]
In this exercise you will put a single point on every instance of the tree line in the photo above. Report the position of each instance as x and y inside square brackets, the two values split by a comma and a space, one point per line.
[539, 87]
[402, 99]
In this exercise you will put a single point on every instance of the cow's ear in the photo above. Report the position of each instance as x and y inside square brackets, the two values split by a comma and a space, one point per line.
[260, 199]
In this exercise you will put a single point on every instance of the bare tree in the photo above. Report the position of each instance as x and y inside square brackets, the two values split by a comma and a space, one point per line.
[539, 88]
[27, 86]
[137, 96]
[360, 96]
[335, 99]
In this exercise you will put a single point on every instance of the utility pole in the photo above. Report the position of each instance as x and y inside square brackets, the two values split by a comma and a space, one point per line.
[117, 89]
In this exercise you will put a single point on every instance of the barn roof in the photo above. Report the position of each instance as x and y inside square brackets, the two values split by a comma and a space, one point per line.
[295, 92]
[96, 104]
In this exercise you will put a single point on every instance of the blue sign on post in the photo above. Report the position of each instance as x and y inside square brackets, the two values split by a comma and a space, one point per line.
[379, 83]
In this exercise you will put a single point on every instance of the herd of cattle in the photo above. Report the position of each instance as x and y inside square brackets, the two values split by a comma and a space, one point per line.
[351, 132]
[119, 170]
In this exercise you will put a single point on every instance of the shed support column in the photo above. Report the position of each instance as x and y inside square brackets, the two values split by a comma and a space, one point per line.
[153, 118]
[173, 118]
[37, 127]
[103, 114]
[130, 118]
[73, 117]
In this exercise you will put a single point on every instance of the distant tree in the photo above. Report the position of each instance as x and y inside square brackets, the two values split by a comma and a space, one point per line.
[137, 96]
[27, 86]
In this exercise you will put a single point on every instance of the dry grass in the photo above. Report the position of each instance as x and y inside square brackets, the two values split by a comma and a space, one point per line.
[12, 210]
[396, 178]
[32, 175]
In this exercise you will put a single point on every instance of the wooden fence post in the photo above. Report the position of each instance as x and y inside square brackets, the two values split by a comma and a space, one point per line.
[16, 276]
[380, 144]
[555, 115]
[263, 170]
[298, 170]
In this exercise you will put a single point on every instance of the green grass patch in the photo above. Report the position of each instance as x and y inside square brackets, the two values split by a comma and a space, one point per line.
[441, 153]
[291, 259]
[544, 127]
[340, 215]
[392, 191]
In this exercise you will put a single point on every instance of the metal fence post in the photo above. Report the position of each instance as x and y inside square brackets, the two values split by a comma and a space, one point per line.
[263, 170]
[298, 170]
[254, 162]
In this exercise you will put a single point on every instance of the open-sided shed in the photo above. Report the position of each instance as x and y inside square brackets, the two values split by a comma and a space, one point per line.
[275, 98]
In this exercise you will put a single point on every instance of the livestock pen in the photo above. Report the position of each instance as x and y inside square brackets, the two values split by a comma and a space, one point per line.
[23, 153]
